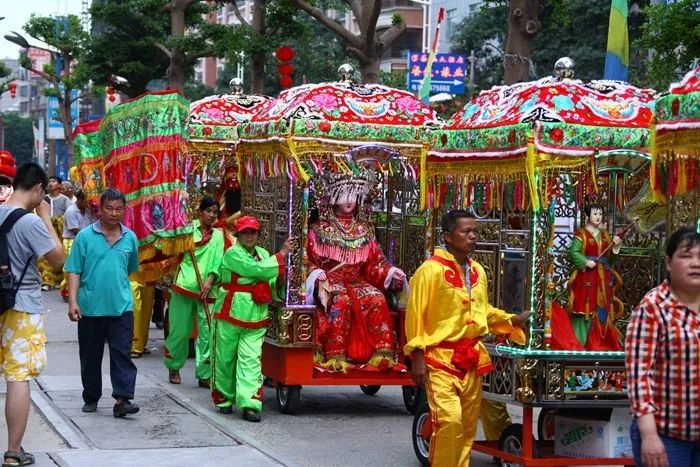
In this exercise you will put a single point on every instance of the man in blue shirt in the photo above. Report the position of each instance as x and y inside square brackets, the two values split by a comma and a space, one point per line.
[100, 300]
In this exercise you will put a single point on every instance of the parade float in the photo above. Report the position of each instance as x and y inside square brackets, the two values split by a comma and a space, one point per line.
[304, 153]
[212, 138]
[528, 159]
[676, 152]
[140, 148]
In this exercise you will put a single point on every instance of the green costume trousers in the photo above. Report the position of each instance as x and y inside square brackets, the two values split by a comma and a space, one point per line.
[182, 312]
[237, 374]
[582, 327]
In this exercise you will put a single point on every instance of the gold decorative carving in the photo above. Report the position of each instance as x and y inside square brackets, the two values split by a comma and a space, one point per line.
[304, 328]
[555, 381]
[285, 326]
[526, 369]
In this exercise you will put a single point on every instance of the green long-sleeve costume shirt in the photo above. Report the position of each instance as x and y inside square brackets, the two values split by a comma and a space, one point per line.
[208, 256]
[243, 311]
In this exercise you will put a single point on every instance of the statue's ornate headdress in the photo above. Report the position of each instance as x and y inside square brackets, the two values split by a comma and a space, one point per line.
[345, 188]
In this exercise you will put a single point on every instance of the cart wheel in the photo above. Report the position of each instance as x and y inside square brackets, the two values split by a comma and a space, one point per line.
[288, 399]
[413, 397]
[545, 424]
[422, 431]
[370, 390]
[511, 441]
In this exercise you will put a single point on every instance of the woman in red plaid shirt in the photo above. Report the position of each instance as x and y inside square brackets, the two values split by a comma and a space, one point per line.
[663, 361]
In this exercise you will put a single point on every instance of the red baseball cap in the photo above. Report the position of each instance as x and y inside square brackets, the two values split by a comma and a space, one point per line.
[247, 222]
[7, 164]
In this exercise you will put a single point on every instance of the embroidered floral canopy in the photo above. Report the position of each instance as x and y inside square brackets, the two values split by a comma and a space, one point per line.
[338, 116]
[676, 152]
[569, 117]
[678, 116]
[214, 118]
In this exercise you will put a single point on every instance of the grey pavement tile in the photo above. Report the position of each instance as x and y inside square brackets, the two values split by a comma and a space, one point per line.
[201, 457]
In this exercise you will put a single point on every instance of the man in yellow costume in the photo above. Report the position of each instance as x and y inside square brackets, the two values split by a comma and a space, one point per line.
[447, 315]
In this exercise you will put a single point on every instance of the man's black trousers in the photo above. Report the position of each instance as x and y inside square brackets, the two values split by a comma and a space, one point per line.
[117, 331]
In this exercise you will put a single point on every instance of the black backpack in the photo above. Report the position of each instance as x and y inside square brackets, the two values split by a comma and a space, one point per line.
[8, 286]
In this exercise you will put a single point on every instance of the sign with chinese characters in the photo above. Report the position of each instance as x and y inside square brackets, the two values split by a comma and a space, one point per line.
[448, 75]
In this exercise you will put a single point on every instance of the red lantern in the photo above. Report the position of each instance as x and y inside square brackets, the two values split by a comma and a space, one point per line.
[112, 98]
[285, 69]
[13, 89]
[286, 81]
[284, 53]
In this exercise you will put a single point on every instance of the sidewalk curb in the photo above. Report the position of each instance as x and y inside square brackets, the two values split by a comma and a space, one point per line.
[52, 415]
[212, 418]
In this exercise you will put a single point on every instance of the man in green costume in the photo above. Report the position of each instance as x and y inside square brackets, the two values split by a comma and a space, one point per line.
[248, 277]
[190, 289]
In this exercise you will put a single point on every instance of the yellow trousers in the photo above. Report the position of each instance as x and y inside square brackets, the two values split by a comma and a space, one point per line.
[494, 418]
[143, 308]
[454, 411]
[67, 245]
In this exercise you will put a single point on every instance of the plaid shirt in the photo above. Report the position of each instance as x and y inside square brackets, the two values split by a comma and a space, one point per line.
[663, 364]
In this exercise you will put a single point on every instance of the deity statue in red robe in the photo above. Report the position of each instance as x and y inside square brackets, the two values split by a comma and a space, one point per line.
[347, 277]
[593, 284]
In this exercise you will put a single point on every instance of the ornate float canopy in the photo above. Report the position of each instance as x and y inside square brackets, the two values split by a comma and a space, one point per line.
[214, 119]
[676, 152]
[678, 116]
[553, 124]
[144, 146]
[88, 159]
[335, 117]
[569, 118]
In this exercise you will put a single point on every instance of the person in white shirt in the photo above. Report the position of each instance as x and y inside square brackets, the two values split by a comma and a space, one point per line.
[68, 190]
[76, 218]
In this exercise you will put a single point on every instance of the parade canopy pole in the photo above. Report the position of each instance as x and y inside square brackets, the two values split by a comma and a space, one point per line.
[199, 281]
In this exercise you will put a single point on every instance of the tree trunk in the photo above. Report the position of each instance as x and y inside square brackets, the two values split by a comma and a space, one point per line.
[176, 71]
[67, 122]
[523, 25]
[257, 60]
[369, 70]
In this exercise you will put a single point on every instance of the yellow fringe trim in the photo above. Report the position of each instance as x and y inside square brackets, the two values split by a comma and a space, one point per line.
[152, 272]
[302, 172]
[336, 364]
[166, 246]
[685, 142]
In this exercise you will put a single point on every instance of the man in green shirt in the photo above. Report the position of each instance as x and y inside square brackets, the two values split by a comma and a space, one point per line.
[248, 277]
[188, 295]
[100, 300]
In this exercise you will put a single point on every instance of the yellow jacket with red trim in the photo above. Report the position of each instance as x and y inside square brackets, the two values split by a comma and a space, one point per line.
[441, 309]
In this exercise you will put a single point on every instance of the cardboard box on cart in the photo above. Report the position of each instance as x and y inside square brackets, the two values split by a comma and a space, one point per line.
[583, 437]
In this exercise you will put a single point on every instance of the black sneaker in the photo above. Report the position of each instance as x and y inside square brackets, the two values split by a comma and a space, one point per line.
[226, 410]
[251, 415]
[124, 408]
[90, 407]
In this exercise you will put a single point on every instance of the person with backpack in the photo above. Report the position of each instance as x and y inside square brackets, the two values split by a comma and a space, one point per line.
[24, 237]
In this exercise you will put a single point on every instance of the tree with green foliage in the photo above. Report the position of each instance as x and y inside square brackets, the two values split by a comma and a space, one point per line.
[122, 45]
[272, 23]
[66, 72]
[563, 24]
[370, 43]
[5, 77]
[318, 51]
[19, 137]
[142, 40]
[191, 38]
[672, 33]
